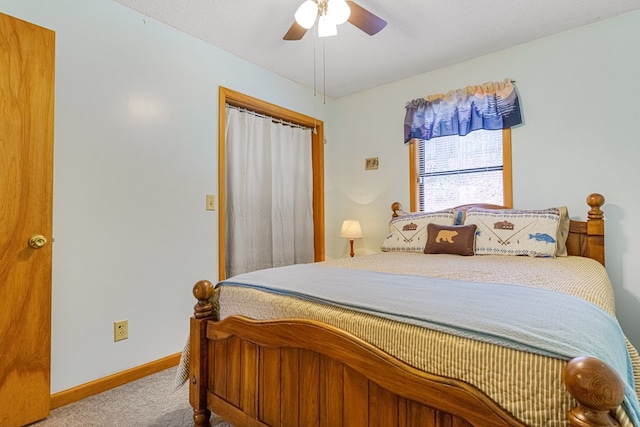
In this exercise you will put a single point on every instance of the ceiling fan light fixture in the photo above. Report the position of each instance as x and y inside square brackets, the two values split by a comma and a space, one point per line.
[326, 26]
[339, 10]
[330, 13]
[306, 14]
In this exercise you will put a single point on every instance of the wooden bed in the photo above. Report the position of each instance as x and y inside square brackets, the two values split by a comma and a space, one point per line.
[293, 372]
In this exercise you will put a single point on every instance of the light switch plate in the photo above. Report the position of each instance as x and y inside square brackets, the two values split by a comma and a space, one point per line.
[211, 202]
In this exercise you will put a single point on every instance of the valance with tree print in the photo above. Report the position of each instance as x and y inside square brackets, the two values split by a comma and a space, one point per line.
[492, 106]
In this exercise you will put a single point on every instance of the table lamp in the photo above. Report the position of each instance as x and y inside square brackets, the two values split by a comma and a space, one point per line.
[351, 230]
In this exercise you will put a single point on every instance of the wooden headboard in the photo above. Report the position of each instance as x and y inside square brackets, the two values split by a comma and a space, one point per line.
[586, 238]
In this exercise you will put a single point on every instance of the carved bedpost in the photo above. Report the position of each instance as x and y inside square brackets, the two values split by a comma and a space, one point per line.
[203, 291]
[396, 207]
[595, 227]
[598, 390]
[202, 311]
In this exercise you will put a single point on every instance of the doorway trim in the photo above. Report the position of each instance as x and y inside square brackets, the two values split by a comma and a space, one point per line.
[237, 99]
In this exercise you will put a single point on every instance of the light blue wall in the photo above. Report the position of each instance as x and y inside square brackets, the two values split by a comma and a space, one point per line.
[136, 152]
[579, 92]
[136, 113]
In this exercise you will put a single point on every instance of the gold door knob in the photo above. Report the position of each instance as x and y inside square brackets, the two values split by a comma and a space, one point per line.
[37, 241]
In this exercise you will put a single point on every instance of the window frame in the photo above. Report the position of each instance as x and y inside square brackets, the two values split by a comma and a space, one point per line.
[507, 183]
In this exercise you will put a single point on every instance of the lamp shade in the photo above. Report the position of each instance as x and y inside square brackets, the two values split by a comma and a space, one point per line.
[327, 26]
[339, 10]
[351, 229]
[306, 14]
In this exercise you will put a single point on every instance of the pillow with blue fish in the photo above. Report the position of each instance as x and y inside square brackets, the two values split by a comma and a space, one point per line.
[516, 232]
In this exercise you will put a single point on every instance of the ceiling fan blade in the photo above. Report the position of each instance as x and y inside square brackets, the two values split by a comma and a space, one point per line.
[365, 20]
[296, 32]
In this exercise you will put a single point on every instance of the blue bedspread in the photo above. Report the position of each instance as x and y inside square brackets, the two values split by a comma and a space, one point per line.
[518, 317]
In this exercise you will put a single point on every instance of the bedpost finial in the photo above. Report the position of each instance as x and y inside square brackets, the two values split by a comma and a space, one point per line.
[597, 388]
[396, 207]
[595, 201]
[203, 291]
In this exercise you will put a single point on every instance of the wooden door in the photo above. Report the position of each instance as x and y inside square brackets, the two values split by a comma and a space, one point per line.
[26, 176]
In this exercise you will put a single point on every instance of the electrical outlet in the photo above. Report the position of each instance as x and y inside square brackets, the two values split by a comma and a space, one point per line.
[120, 330]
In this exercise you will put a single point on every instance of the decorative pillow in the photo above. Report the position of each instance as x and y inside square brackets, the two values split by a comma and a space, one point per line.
[459, 215]
[408, 233]
[563, 232]
[563, 228]
[515, 232]
[452, 239]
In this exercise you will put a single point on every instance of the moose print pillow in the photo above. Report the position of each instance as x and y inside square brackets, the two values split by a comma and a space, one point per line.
[408, 233]
[515, 232]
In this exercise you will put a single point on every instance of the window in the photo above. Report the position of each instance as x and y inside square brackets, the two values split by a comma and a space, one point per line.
[455, 170]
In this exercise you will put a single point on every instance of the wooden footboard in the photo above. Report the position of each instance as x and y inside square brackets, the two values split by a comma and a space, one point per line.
[305, 373]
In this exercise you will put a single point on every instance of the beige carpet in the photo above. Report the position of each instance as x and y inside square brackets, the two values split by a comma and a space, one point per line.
[148, 402]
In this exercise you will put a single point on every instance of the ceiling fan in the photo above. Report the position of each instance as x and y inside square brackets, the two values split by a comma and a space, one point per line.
[329, 14]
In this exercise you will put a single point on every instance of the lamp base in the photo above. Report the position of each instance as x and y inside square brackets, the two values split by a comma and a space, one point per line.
[351, 244]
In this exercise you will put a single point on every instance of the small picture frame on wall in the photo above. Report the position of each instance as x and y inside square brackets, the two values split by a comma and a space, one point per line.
[371, 163]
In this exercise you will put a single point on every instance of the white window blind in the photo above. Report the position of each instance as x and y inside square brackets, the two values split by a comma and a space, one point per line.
[456, 170]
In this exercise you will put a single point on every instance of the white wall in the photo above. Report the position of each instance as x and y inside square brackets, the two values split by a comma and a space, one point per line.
[135, 153]
[579, 92]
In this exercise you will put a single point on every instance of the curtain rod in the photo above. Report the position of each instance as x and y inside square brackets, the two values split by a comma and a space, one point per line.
[264, 116]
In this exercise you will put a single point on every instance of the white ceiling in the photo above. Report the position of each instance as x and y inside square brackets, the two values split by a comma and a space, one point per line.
[421, 35]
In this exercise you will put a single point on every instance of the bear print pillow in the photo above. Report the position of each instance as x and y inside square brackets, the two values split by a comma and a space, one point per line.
[452, 239]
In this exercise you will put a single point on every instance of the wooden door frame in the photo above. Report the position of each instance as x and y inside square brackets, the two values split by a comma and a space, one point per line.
[237, 99]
